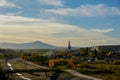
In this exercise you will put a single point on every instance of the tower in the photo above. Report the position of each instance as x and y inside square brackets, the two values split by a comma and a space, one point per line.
[69, 46]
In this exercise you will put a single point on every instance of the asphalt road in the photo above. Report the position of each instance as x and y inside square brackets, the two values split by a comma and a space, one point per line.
[73, 72]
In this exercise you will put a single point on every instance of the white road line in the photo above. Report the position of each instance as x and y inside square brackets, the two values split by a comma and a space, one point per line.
[21, 76]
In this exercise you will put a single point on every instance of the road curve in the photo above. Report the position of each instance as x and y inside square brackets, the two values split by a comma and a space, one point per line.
[73, 72]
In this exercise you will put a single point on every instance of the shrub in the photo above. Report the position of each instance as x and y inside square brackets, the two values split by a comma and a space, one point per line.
[76, 62]
[70, 65]
[84, 65]
[61, 62]
[117, 62]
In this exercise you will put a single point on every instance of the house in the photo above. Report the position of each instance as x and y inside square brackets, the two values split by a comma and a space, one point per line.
[112, 48]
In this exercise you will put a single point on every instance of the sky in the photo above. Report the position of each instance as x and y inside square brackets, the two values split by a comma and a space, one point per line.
[83, 22]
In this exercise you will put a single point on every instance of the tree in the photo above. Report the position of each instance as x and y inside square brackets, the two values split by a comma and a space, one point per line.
[84, 52]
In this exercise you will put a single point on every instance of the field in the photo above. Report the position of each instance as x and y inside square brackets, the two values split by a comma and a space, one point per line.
[105, 71]
[101, 70]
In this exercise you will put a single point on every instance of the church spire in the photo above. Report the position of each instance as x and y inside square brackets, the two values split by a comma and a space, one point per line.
[69, 46]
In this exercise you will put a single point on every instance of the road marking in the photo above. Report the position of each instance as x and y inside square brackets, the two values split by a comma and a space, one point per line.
[21, 76]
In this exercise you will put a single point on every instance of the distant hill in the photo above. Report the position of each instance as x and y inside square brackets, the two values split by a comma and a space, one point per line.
[30, 45]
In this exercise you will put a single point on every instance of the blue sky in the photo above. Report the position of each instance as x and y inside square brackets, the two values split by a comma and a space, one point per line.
[84, 22]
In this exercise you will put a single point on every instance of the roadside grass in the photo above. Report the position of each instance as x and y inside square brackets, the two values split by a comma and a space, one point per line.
[100, 70]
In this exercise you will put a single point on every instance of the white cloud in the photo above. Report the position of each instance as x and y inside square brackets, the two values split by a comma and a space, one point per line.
[49, 31]
[4, 3]
[19, 19]
[85, 10]
[103, 30]
[14, 13]
[51, 2]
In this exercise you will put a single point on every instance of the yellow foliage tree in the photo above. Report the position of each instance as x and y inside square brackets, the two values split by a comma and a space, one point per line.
[51, 63]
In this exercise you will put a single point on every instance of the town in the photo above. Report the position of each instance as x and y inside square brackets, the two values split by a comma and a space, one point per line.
[103, 60]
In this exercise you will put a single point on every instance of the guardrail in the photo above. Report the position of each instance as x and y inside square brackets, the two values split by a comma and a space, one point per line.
[30, 70]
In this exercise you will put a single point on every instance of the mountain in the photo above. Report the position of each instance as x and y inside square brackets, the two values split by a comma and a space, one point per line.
[31, 45]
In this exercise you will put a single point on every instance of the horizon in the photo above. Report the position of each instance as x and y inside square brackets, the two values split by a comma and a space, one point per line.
[84, 23]
[55, 45]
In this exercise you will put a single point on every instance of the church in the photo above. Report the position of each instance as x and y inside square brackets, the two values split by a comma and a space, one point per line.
[69, 47]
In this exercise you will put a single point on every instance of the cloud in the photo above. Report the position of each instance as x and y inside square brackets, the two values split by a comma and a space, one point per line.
[85, 10]
[49, 31]
[4, 3]
[14, 13]
[51, 2]
[103, 30]
[7, 19]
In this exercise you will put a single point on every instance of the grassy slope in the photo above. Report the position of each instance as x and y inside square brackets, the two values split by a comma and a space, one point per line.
[104, 71]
